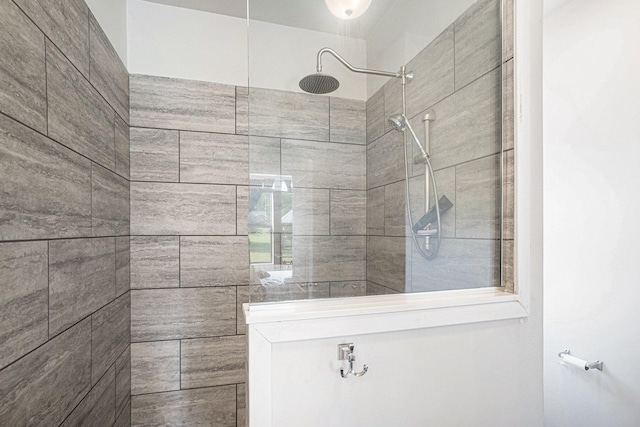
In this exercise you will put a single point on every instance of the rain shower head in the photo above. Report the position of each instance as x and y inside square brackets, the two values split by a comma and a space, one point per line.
[319, 83]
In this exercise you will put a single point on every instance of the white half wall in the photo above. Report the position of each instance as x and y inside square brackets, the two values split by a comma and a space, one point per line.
[112, 17]
[592, 206]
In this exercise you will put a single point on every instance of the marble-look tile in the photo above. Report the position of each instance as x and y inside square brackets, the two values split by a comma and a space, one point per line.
[124, 419]
[393, 101]
[508, 265]
[433, 73]
[242, 297]
[123, 381]
[507, 30]
[155, 262]
[43, 387]
[242, 110]
[264, 155]
[324, 165]
[291, 115]
[348, 212]
[24, 302]
[241, 405]
[290, 292]
[181, 209]
[347, 121]
[107, 72]
[446, 182]
[375, 289]
[98, 407]
[385, 160]
[23, 83]
[508, 107]
[348, 289]
[460, 264]
[66, 23]
[214, 261]
[478, 199]
[310, 212]
[46, 188]
[210, 362]
[155, 367]
[78, 116]
[155, 155]
[395, 223]
[375, 116]
[468, 123]
[166, 103]
[122, 148]
[375, 211]
[478, 41]
[328, 258]
[109, 203]
[164, 314]
[508, 195]
[81, 279]
[214, 158]
[212, 406]
[242, 210]
[110, 334]
[123, 267]
[386, 261]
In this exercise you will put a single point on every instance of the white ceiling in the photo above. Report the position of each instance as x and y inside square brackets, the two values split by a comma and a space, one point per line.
[308, 14]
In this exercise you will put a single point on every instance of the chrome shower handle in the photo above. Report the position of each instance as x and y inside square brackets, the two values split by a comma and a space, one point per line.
[345, 352]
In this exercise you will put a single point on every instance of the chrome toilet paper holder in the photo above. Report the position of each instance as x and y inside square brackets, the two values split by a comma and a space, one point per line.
[345, 352]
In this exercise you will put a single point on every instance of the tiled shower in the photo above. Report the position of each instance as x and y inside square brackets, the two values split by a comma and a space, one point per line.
[124, 232]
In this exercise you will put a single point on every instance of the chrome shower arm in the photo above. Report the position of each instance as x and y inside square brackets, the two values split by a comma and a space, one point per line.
[351, 67]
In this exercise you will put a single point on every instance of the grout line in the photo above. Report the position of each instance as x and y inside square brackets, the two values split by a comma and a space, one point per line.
[48, 291]
[190, 388]
[46, 87]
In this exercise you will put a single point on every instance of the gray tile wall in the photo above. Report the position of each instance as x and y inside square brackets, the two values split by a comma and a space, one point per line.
[64, 218]
[466, 76]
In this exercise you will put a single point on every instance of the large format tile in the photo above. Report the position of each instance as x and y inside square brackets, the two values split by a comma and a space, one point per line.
[478, 41]
[508, 265]
[166, 103]
[123, 267]
[242, 297]
[242, 110]
[348, 289]
[122, 148]
[348, 212]
[214, 406]
[213, 361]
[23, 83]
[66, 23]
[507, 30]
[46, 188]
[386, 261]
[385, 160]
[164, 314]
[214, 158]
[110, 334]
[181, 209]
[155, 367]
[24, 302]
[290, 292]
[109, 203]
[124, 419]
[98, 407]
[375, 116]
[43, 387]
[108, 74]
[393, 101]
[214, 261]
[468, 123]
[264, 155]
[347, 121]
[375, 211]
[328, 258]
[310, 212]
[324, 165]
[433, 74]
[81, 279]
[155, 155]
[288, 115]
[395, 209]
[241, 405]
[78, 116]
[123, 381]
[155, 262]
[508, 106]
[508, 195]
[242, 210]
[460, 264]
[478, 199]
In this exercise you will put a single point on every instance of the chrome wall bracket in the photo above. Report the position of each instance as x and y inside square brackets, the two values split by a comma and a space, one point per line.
[345, 352]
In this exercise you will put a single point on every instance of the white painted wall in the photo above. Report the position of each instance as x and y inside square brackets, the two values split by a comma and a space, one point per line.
[112, 17]
[592, 206]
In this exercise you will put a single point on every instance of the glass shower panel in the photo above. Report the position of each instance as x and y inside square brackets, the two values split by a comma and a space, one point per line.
[330, 174]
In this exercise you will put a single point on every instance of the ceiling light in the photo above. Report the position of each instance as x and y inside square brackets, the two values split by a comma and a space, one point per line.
[348, 9]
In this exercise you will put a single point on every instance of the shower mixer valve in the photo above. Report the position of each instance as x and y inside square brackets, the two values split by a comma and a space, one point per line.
[345, 352]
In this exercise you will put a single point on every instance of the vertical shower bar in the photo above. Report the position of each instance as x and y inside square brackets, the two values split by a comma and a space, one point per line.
[426, 119]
